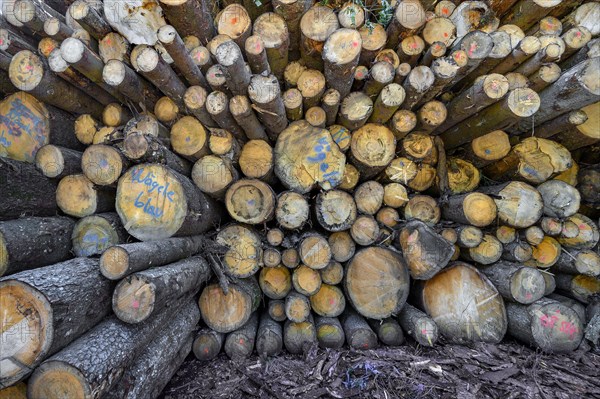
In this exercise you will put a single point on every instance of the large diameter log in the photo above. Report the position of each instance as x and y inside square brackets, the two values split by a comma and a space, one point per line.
[56, 304]
[376, 267]
[425, 251]
[515, 282]
[155, 366]
[155, 202]
[576, 88]
[244, 252]
[306, 156]
[335, 210]
[143, 294]
[546, 324]
[190, 17]
[27, 124]
[519, 205]
[25, 190]
[418, 325]
[86, 368]
[227, 312]
[29, 73]
[340, 56]
[465, 305]
[33, 242]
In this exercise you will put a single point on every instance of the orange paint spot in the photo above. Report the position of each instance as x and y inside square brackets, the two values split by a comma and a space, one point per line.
[445, 11]
[445, 34]
[234, 20]
[205, 350]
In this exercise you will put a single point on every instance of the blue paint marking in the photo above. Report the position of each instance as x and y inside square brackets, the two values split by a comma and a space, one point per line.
[324, 166]
[148, 180]
[251, 202]
[149, 209]
[318, 158]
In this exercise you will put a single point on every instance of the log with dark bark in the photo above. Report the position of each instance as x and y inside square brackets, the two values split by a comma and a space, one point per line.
[269, 337]
[207, 344]
[93, 234]
[190, 17]
[57, 303]
[299, 337]
[516, 283]
[86, 367]
[359, 334]
[330, 332]
[418, 325]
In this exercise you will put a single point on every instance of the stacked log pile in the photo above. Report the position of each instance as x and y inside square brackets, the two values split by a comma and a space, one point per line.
[182, 178]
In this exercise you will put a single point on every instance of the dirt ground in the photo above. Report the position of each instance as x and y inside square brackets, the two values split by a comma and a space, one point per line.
[507, 370]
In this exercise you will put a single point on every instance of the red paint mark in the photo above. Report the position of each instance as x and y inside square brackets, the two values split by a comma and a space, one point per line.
[548, 321]
[445, 11]
[445, 34]
[578, 34]
[1, 42]
[136, 304]
[365, 346]
[424, 331]
[234, 20]
[108, 41]
[359, 74]
[257, 46]
[331, 301]
[413, 45]
[568, 328]
[354, 44]
[242, 341]
[29, 67]
[528, 296]
[205, 350]
[472, 48]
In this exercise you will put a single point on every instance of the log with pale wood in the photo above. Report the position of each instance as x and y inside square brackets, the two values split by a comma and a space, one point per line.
[296, 175]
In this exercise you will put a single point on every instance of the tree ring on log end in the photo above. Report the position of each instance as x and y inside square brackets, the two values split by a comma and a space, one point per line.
[250, 201]
[114, 263]
[480, 209]
[56, 376]
[527, 285]
[22, 352]
[133, 299]
[553, 327]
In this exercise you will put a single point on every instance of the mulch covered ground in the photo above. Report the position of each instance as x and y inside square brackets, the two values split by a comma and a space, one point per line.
[508, 370]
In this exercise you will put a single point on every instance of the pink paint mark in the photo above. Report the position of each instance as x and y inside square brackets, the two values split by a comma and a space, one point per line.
[472, 48]
[578, 34]
[136, 304]
[331, 301]
[29, 67]
[242, 341]
[354, 44]
[548, 321]
[528, 295]
[1, 42]
[205, 350]
[568, 328]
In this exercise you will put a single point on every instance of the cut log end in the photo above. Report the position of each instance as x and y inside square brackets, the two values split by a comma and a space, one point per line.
[133, 299]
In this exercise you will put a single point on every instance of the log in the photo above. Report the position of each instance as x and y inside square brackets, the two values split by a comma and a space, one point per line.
[378, 267]
[234, 22]
[333, 273]
[257, 55]
[316, 25]
[365, 230]
[173, 44]
[292, 210]
[373, 39]
[516, 283]
[546, 324]
[328, 301]
[342, 246]
[149, 63]
[561, 200]
[207, 344]
[340, 55]
[474, 208]
[139, 147]
[122, 260]
[55, 310]
[114, 46]
[314, 251]
[527, 47]
[227, 312]
[410, 50]
[243, 255]
[137, 22]
[265, 95]
[77, 196]
[118, 75]
[90, 18]
[488, 148]
[423, 208]
[418, 325]
[143, 294]
[155, 366]
[395, 195]
[299, 337]
[33, 242]
[357, 331]
[587, 236]
[469, 311]
[250, 201]
[330, 332]
[335, 210]
[190, 18]
[468, 236]
[275, 282]
[92, 235]
[488, 251]
[360, 75]
[290, 258]
[545, 254]
[74, 373]
[580, 287]
[584, 134]
[115, 115]
[372, 149]
[349, 178]
[356, 108]
[269, 337]
[525, 15]
[239, 344]
[30, 73]
[403, 122]
[388, 331]
[425, 251]
[103, 164]
[292, 100]
[534, 160]
[585, 261]
[214, 175]
[272, 29]
[517, 251]
[306, 156]
[297, 307]
[180, 208]
[512, 199]
[271, 257]
[217, 105]
[388, 217]
[189, 138]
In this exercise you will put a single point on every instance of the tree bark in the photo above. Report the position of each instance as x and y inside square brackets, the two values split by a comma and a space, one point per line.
[330, 332]
[357, 331]
[56, 310]
[418, 325]
[207, 344]
[299, 337]
[190, 17]
[269, 337]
